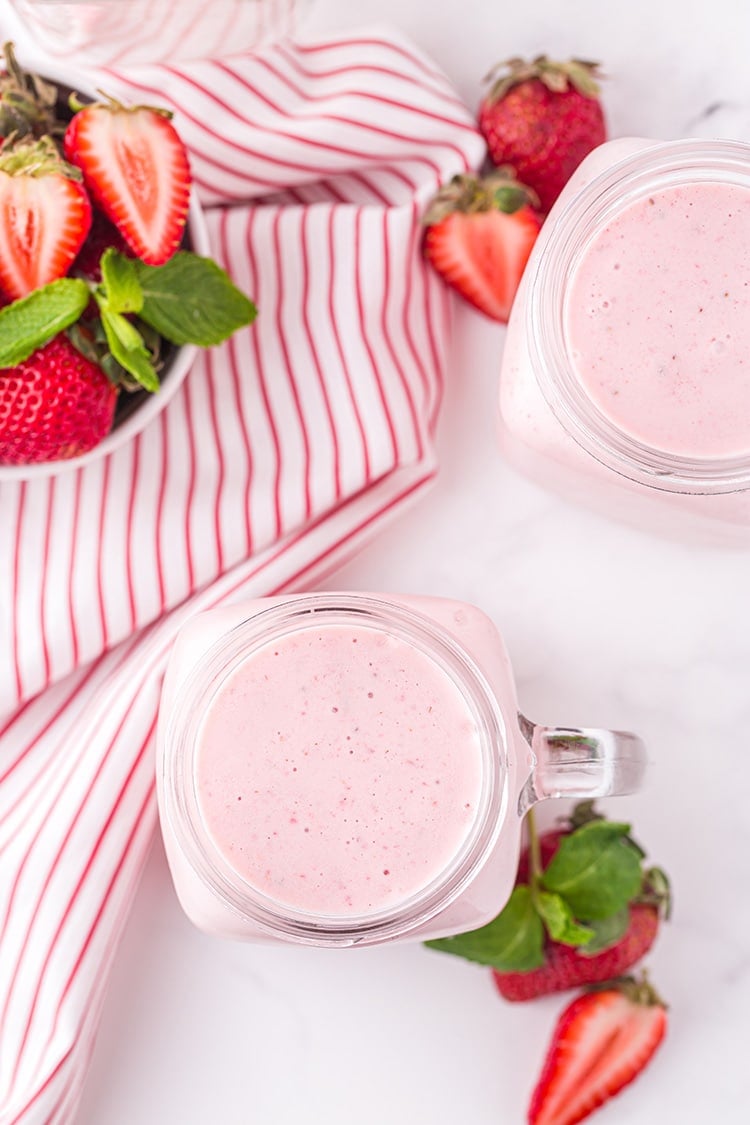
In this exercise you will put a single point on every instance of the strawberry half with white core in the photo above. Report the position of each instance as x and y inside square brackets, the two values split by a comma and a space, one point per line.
[602, 1041]
[45, 215]
[479, 236]
[136, 168]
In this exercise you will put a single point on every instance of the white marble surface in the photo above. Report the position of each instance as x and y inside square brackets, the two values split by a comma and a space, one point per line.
[605, 626]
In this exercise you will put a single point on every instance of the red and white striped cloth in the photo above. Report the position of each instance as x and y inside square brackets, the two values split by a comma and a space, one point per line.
[104, 32]
[282, 452]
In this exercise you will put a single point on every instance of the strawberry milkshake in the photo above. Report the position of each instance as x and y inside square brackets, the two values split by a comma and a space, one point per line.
[358, 778]
[658, 320]
[347, 769]
[626, 376]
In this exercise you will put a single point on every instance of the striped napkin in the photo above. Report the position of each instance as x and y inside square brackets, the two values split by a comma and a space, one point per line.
[282, 453]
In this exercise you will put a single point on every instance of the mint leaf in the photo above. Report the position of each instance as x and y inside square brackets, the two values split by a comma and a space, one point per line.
[596, 869]
[120, 281]
[127, 347]
[558, 918]
[191, 300]
[606, 932]
[32, 321]
[512, 942]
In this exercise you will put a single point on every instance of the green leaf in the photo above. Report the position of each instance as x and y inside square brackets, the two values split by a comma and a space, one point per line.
[32, 321]
[596, 869]
[558, 918]
[127, 347]
[191, 300]
[606, 931]
[512, 942]
[120, 281]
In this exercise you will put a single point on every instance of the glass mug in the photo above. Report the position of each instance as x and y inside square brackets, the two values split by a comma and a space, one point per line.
[670, 217]
[349, 769]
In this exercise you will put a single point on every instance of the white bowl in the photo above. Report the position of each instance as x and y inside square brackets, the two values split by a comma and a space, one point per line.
[175, 369]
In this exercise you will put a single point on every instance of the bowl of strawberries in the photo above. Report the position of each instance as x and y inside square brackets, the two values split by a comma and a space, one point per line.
[107, 289]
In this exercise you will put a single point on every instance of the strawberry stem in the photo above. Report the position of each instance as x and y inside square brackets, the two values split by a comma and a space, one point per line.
[535, 853]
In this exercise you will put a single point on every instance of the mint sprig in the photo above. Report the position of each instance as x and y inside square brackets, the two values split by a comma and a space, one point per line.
[596, 870]
[127, 347]
[32, 321]
[188, 300]
[512, 942]
[582, 898]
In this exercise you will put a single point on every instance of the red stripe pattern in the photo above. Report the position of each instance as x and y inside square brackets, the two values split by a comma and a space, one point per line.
[144, 31]
[282, 452]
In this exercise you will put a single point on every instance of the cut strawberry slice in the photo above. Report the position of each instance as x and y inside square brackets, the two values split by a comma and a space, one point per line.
[136, 168]
[602, 1041]
[45, 215]
[479, 237]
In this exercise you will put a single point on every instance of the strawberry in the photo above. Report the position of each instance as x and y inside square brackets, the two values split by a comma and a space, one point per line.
[56, 404]
[27, 102]
[45, 215]
[479, 236]
[101, 237]
[565, 967]
[584, 909]
[602, 1041]
[542, 118]
[136, 168]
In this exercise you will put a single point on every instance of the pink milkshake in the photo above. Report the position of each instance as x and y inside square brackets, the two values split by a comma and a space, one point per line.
[625, 381]
[658, 320]
[339, 770]
[350, 769]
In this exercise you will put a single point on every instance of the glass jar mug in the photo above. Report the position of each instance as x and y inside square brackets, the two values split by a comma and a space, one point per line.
[347, 769]
[625, 380]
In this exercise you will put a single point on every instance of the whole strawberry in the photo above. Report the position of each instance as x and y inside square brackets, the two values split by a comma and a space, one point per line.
[56, 404]
[584, 909]
[479, 236]
[542, 118]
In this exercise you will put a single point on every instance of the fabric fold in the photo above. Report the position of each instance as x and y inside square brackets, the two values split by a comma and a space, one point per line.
[280, 455]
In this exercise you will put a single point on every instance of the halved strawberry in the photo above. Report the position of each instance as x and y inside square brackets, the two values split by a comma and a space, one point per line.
[137, 170]
[45, 215]
[602, 1041]
[479, 237]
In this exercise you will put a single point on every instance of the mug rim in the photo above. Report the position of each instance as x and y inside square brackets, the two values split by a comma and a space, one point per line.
[178, 774]
[573, 228]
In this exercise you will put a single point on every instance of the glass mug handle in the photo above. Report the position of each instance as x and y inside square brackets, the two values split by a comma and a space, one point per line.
[580, 763]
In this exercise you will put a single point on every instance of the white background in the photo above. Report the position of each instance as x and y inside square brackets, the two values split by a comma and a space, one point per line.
[605, 626]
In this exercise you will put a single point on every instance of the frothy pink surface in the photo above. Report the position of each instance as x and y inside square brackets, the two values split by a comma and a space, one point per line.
[658, 320]
[339, 770]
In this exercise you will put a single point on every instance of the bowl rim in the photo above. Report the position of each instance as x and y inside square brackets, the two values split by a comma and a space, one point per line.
[180, 364]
